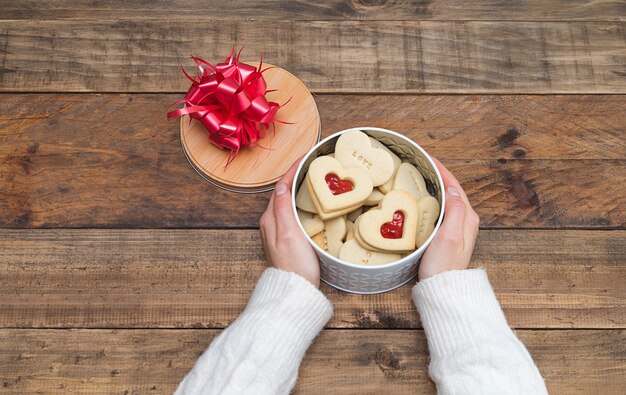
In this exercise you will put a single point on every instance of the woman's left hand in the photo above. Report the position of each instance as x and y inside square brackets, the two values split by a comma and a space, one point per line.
[285, 245]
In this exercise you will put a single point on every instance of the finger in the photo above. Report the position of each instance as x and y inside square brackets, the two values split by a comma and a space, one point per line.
[265, 242]
[471, 226]
[283, 211]
[452, 228]
[267, 223]
[450, 179]
[287, 178]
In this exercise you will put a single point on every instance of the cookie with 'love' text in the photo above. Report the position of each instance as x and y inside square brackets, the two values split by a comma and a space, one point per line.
[356, 149]
[428, 208]
[330, 239]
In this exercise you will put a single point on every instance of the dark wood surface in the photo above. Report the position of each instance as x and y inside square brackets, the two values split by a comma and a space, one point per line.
[164, 278]
[119, 264]
[337, 10]
[580, 362]
[123, 55]
[525, 161]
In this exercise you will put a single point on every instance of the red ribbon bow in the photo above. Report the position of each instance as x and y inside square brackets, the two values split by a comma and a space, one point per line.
[229, 100]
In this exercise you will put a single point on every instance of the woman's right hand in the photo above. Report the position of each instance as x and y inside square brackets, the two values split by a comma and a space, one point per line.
[452, 247]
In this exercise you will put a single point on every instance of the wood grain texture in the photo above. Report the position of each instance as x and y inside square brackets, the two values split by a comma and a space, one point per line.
[529, 10]
[525, 161]
[203, 278]
[390, 362]
[329, 56]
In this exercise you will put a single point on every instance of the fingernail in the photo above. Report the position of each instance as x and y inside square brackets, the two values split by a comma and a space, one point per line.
[452, 191]
[281, 188]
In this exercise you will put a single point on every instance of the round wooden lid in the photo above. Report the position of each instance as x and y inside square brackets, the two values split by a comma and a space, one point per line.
[256, 169]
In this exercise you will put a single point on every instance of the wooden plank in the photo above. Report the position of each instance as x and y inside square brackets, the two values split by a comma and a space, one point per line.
[194, 10]
[115, 161]
[329, 56]
[203, 278]
[146, 361]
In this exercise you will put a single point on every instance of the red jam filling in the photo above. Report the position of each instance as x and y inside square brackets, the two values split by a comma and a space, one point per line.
[338, 186]
[393, 229]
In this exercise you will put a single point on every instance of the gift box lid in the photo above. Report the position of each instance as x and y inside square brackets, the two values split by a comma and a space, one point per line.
[258, 168]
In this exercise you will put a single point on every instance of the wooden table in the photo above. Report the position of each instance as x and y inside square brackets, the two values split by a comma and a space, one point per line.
[119, 264]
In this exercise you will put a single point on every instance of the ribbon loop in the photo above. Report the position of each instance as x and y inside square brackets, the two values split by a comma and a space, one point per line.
[229, 101]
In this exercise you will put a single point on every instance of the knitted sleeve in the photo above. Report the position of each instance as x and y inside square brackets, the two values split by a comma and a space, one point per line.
[261, 351]
[472, 348]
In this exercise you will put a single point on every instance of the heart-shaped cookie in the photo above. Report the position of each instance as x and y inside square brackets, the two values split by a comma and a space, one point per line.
[333, 214]
[303, 199]
[353, 215]
[387, 186]
[349, 234]
[393, 225]
[409, 179]
[330, 239]
[428, 208]
[354, 233]
[311, 223]
[353, 252]
[355, 149]
[334, 187]
[374, 198]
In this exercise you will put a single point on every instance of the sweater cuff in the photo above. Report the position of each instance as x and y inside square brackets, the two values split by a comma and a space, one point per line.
[287, 298]
[458, 310]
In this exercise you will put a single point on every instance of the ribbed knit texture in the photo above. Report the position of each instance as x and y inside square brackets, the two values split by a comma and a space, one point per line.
[472, 349]
[261, 351]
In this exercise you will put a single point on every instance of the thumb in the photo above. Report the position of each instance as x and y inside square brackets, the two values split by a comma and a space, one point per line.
[283, 212]
[454, 216]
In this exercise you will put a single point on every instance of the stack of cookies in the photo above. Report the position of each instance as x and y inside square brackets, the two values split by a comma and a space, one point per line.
[363, 205]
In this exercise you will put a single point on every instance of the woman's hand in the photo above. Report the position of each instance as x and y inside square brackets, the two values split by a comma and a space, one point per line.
[452, 247]
[285, 245]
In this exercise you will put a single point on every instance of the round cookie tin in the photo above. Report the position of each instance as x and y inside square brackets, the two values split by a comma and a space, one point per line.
[362, 279]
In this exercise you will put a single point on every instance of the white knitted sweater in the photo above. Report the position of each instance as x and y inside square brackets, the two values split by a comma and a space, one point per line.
[472, 349]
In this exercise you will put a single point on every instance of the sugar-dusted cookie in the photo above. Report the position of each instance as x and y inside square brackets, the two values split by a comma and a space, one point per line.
[334, 187]
[311, 223]
[393, 225]
[428, 213]
[353, 252]
[387, 186]
[353, 215]
[374, 198]
[303, 199]
[330, 239]
[409, 179]
[355, 149]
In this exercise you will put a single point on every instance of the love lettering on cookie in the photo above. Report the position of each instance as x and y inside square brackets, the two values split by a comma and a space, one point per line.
[335, 188]
[428, 208]
[355, 149]
[330, 239]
